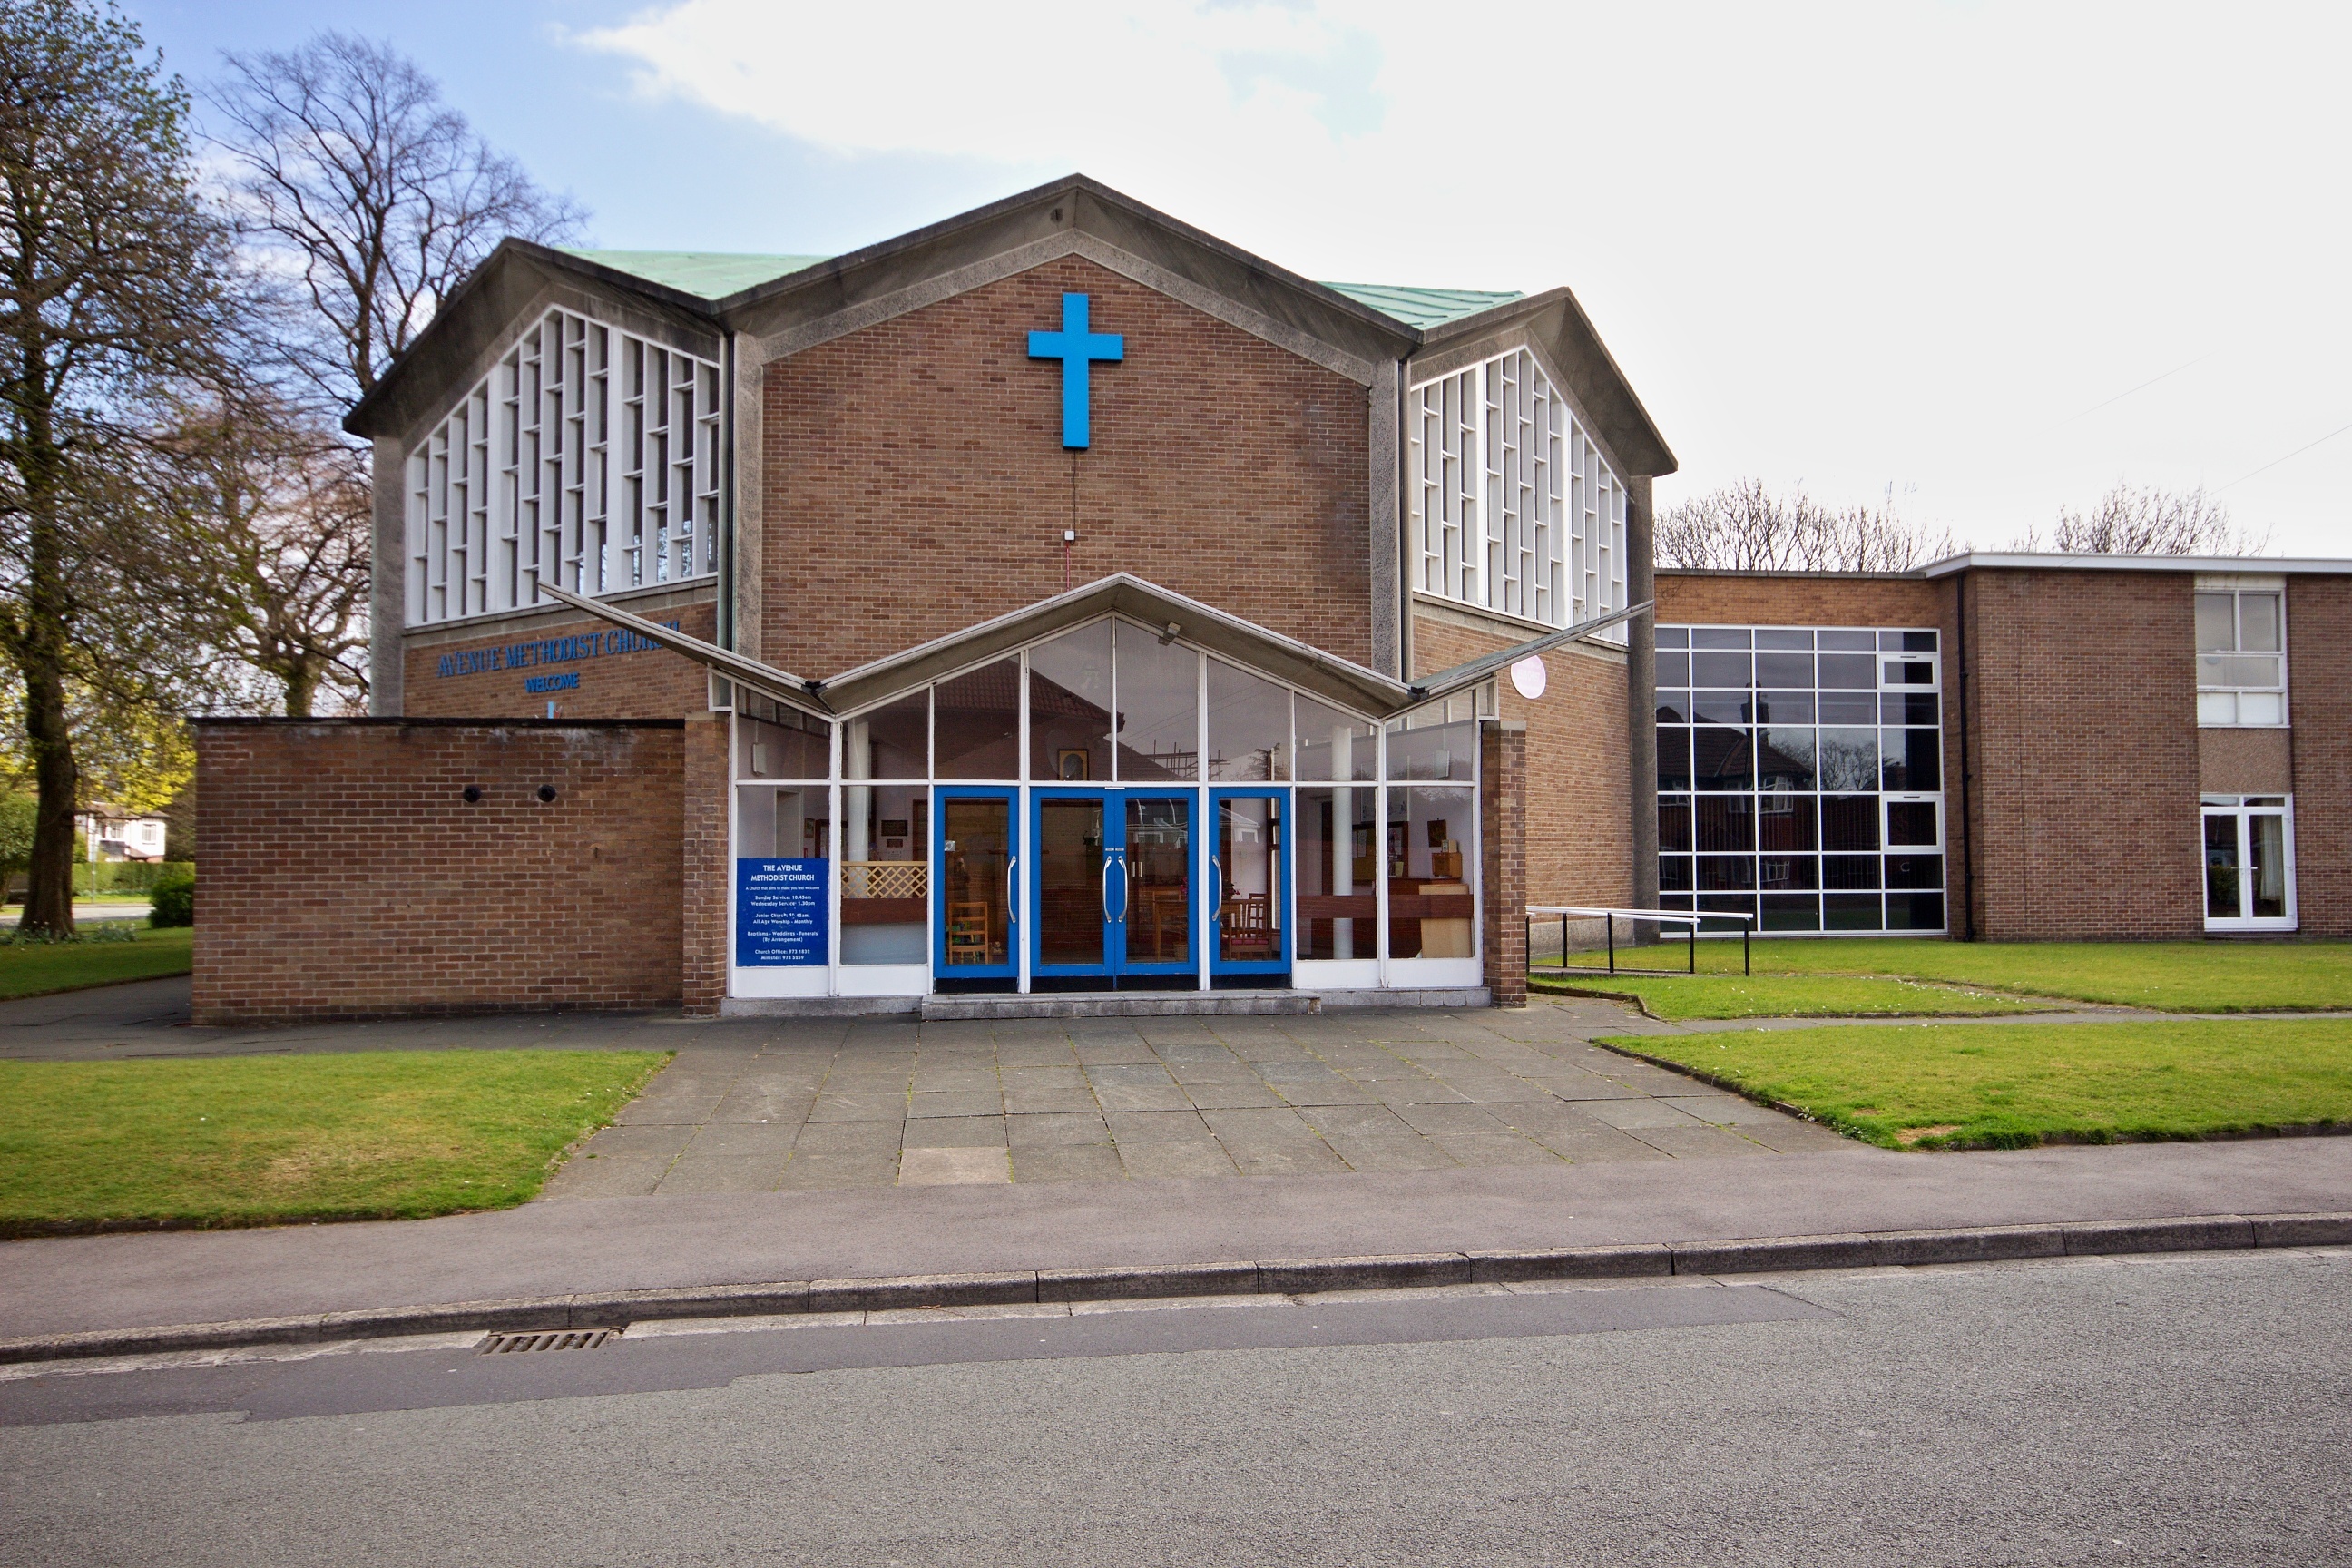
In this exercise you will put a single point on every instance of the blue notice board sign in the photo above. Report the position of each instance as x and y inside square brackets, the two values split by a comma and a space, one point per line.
[781, 913]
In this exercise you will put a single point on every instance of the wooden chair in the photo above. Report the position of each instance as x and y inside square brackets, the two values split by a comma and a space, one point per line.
[1171, 915]
[1247, 928]
[968, 932]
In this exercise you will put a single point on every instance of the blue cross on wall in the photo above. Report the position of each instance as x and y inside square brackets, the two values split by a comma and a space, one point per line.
[1075, 347]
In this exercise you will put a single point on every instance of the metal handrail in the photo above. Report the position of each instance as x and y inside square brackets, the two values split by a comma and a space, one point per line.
[1663, 917]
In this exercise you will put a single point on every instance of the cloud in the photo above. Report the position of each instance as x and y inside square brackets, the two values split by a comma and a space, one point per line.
[1059, 83]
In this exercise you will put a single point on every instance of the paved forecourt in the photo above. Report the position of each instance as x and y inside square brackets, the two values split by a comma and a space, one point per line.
[844, 1103]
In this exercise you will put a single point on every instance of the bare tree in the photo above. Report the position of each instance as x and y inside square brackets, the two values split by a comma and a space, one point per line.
[2129, 521]
[112, 280]
[1744, 528]
[373, 195]
[273, 518]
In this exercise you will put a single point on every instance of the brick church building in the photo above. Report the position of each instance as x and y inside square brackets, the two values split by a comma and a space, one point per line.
[1059, 609]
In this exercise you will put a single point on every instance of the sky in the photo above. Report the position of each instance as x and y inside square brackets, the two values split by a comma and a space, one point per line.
[1980, 260]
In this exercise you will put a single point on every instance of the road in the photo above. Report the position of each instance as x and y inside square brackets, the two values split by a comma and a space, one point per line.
[2188, 1408]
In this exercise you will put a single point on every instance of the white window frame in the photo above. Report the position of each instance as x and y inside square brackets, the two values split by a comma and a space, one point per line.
[588, 453]
[2242, 809]
[2220, 707]
[1512, 506]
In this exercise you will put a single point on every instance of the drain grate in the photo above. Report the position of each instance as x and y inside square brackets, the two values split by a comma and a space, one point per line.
[548, 1340]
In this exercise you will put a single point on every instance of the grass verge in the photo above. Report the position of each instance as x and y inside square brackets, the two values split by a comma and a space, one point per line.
[1792, 997]
[244, 1141]
[1989, 1085]
[36, 969]
[2175, 976]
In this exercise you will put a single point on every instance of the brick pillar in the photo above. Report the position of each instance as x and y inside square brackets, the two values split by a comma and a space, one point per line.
[703, 962]
[1503, 832]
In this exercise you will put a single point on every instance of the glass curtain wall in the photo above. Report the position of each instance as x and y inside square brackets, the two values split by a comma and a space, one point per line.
[1800, 776]
[1304, 870]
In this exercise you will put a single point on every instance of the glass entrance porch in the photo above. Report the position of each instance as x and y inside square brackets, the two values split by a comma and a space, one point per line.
[1107, 808]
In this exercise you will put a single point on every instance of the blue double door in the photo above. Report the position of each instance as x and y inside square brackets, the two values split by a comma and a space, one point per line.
[1126, 888]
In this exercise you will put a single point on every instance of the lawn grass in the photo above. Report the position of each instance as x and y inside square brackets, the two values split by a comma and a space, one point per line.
[1792, 997]
[36, 969]
[2012, 1086]
[2175, 976]
[241, 1140]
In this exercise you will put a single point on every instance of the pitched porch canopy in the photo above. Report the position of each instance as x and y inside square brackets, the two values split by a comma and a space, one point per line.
[1337, 680]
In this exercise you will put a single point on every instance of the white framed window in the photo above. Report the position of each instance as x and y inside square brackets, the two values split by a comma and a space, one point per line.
[2241, 652]
[588, 454]
[1512, 506]
[2249, 862]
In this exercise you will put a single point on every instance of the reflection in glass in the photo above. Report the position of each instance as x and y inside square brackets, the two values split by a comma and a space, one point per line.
[976, 723]
[1909, 760]
[1158, 880]
[1784, 760]
[783, 824]
[1914, 911]
[1725, 822]
[1073, 875]
[2222, 868]
[1674, 706]
[1723, 759]
[1722, 670]
[1849, 760]
[2216, 629]
[1069, 707]
[1423, 746]
[1786, 823]
[975, 871]
[1788, 873]
[1246, 880]
[1431, 907]
[1849, 673]
[1915, 870]
[1849, 822]
[893, 741]
[1907, 708]
[773, 741]
[2266, 833]
[886, 859]
[1158, 725]
[1910, 822]
[1722, 707]
[1335, 862]
[1790, 669]
[1675, 823]
[1333, 746]
[1727, 873]
[1850, 872]
[1673, 873]
[1674, 759]
[1784, 911]
[1852, 911]
[1249, 726]
[1847, 708]
[1674, 668]
[1784, 708]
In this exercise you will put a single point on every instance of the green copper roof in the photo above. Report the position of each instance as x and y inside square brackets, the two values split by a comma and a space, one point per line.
[1423, 308]
[712, 274]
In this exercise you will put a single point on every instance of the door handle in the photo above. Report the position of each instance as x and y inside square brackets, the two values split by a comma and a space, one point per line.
[1216, 888]
[1107, 916]
[1012, 906]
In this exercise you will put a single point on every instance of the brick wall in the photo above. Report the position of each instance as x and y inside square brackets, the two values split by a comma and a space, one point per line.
[1580, 835]
[2085, 728]
[915, 482]
[487, 673]
[345, 875]
[2319, 703]
[1503, 839]
[705, 865]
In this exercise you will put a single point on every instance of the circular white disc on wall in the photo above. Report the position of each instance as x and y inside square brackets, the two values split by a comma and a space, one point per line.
[1528, 676]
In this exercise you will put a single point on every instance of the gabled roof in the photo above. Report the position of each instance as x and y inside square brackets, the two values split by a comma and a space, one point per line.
[710, 274]
[1360, 324]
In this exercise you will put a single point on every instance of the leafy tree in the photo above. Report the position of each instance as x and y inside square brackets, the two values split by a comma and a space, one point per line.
[349, 173]
[1746, 528]
[274, 512]
[112, 282]
[2130, 521]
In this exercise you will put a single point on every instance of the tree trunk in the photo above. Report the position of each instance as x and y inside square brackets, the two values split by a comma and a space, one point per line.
[40, 659]
[302, 688]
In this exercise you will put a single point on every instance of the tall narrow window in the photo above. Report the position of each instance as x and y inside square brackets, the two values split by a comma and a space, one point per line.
[2240, 656]
[1514, 507]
